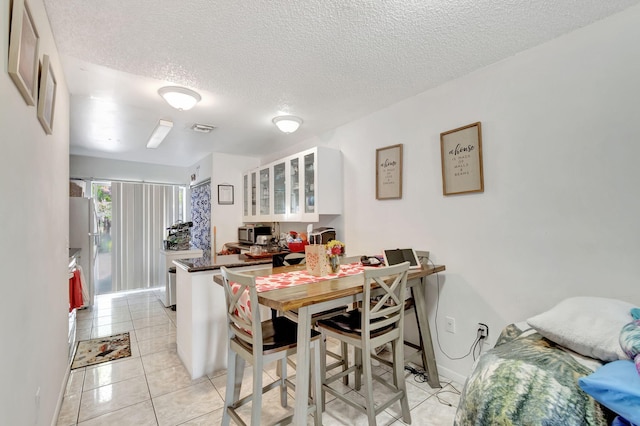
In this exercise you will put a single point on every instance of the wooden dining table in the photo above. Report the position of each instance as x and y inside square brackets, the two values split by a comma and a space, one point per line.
[311, 298]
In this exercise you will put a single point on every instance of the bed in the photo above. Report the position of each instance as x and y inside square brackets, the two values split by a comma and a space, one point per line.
[549, 370]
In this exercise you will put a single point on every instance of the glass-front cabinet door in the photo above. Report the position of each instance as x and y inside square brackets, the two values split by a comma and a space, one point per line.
[245, 196]
[294, 188]
[279, 191]
[254, 194]
[309, 182]
[265, 192]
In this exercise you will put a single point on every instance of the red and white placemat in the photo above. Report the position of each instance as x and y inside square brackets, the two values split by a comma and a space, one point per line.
[288, 279]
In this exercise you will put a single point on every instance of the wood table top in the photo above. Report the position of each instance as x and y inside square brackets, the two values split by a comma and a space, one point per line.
[297, 296]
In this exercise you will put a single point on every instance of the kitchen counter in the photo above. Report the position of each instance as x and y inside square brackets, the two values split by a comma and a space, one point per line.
[213, 262]
[201, 329]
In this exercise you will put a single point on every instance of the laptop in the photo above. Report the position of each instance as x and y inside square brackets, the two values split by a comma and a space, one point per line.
[396, 256]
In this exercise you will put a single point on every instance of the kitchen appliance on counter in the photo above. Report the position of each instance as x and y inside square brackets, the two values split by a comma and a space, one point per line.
[248, 234]
[322, 235]
[178, 236]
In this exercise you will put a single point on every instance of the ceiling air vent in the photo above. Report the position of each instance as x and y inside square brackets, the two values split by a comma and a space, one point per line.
[202, 128]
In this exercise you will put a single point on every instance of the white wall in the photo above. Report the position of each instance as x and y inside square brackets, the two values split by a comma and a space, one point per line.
[84, 167]
[34, 212]
[227, 169]
[559, 215]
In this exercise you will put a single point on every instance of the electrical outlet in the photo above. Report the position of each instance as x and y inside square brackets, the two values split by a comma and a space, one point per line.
[450, 324]
[483, 330]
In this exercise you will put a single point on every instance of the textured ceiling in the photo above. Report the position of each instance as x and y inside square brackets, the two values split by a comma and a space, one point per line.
[327, 61]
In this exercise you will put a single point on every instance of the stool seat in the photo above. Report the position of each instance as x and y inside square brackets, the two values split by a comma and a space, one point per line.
[278, 333]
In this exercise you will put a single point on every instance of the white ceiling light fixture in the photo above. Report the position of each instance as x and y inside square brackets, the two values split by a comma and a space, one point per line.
[159, 133]
[287, 123]
[180, 98]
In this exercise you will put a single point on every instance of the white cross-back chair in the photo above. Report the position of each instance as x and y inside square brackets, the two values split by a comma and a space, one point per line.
[259, 343]
[376, 322]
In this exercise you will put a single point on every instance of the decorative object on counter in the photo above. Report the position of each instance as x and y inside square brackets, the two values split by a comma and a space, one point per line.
[296, 241]
[287, 123]
[317, 260]
[103, 349]
[389, 172]
[179, 237]
[461, 152]
[225, 194]
[335, 249]
[23, 51]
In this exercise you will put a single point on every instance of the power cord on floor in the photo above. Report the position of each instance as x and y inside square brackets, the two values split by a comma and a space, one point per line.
[421, 377]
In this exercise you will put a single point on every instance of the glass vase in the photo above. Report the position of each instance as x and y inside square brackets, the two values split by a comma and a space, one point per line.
[334, 263]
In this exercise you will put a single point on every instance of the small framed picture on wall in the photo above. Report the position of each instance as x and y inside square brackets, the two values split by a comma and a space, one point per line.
[225, 194]
[461, 154]
[389, 172]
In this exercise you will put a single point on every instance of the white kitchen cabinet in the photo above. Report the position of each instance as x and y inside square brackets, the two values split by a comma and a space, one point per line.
[297, 188]
[250, 193]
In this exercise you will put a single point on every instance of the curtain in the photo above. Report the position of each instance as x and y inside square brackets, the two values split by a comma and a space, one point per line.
[201, 217]
[141, 213]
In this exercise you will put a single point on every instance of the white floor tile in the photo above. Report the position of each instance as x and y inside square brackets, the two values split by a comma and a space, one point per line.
[152, 387]
[141, 414]
[105, 399]
[187, 404]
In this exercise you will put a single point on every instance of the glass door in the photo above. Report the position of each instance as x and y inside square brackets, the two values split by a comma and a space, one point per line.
[101, 236]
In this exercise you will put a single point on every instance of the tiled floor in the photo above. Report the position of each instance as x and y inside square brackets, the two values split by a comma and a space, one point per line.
[153, 388]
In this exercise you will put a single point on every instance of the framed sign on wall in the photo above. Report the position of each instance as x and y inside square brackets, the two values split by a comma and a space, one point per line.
[47, 96]
[225, 194]
[461, 153]
[389, 172]
[23, 51]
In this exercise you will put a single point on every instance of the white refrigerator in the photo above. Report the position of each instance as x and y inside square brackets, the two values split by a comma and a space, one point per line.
[84, 233]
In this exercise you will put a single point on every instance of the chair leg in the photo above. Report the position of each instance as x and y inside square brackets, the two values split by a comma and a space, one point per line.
[232, 383]
[283, 381]
[256, 399]
[398, 376]
[345, 359]
[368, 382]
[316, 365]
[323, 370]
[357, 360]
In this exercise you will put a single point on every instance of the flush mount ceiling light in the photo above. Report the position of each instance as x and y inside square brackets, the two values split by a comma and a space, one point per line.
[287, 123]
[159, 133]
[180, 98]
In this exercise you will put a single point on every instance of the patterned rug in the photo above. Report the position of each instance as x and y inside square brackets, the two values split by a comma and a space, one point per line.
[103, 349]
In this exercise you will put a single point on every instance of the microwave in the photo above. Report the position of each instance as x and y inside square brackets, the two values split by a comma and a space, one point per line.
[248, 234]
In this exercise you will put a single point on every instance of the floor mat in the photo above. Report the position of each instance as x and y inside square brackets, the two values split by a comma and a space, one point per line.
[103, 349]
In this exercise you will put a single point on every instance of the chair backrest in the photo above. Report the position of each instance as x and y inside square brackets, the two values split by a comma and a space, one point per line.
[294, 259]
[387, 309]
[243, 313]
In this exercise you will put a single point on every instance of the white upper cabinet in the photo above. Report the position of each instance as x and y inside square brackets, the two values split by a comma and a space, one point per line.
[297, 188]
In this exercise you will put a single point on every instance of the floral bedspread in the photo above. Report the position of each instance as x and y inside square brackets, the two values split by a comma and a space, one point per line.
[527, 380]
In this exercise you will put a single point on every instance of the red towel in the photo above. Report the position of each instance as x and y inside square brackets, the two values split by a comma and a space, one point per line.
[75, 291]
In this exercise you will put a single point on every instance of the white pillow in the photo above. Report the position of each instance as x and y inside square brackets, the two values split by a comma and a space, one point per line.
[589, 326]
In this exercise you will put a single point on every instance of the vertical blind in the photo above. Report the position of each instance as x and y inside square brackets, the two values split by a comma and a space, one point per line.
[141, 213]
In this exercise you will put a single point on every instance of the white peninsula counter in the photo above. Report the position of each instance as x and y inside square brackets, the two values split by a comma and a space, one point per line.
[201, 322]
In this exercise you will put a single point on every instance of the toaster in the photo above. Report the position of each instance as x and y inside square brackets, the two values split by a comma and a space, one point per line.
[322, 235]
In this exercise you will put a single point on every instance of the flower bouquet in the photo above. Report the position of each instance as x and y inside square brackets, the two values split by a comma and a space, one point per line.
[335, 249]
